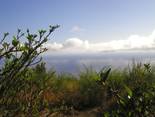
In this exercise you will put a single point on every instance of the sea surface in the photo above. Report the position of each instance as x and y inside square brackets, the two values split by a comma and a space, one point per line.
[74, 63]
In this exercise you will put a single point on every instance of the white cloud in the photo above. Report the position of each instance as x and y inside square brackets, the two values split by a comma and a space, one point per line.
[75, 43]
[78, 45]
[70, 45]
[77, 29]
[53, 46]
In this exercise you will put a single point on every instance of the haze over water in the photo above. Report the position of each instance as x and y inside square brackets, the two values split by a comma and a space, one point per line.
[75, 63]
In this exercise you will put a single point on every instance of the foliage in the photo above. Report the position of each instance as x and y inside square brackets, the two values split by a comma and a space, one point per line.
[128, 92]
[137, 97]
[27, 88]
[16, 57]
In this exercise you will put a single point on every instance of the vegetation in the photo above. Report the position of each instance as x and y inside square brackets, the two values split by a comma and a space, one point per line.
[28, 89]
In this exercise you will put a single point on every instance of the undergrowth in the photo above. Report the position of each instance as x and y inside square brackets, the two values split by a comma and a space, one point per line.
[129, 92]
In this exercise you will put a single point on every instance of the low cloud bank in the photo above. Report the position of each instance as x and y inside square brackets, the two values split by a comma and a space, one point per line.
[78, 45]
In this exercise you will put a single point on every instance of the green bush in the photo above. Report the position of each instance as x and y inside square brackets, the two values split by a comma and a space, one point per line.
[137, 98]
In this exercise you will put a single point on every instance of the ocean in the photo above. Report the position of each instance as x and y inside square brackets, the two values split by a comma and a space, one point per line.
[74, 63]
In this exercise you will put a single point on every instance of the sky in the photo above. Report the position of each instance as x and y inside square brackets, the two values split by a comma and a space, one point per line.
[85, 25]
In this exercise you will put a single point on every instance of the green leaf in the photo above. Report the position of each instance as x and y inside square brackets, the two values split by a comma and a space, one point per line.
[129, 91]
[122, 102]
[15, 41]
[30, 38]
[106, 114]
[23, 48]
[5, 45]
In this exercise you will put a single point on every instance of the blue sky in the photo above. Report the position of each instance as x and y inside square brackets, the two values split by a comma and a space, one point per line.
[92, 20]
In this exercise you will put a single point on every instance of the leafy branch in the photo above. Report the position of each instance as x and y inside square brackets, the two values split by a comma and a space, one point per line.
[18, 56]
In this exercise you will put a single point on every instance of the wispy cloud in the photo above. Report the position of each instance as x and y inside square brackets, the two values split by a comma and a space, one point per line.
[133, 42]
[77, 28]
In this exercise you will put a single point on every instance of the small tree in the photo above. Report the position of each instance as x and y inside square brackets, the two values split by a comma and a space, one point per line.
[18, 56]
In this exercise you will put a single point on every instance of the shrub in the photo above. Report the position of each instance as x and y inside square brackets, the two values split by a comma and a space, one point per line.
[17, 56]
[137, 95]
